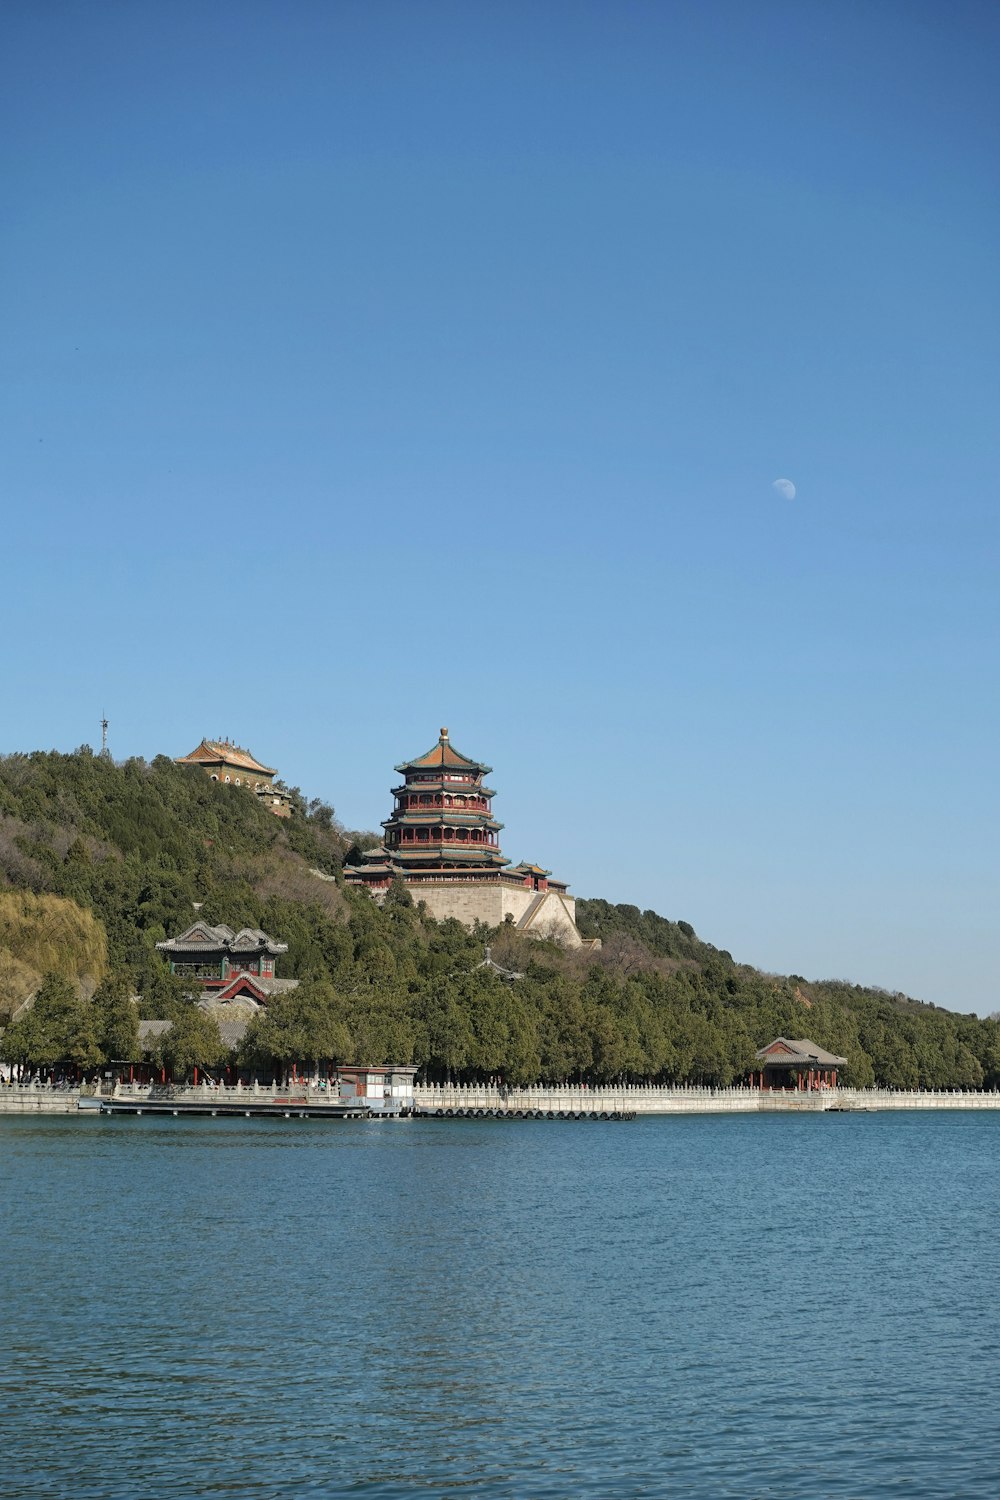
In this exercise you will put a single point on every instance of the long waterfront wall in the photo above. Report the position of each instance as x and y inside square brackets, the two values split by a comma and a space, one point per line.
[640, 1100]
[451, 1099]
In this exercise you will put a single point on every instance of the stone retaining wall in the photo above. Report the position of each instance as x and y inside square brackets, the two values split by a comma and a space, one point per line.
[491, 902]
[695, 1101]
[38, 1099]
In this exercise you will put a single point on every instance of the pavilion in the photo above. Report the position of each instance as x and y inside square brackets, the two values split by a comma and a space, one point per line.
[216, 955]
[798, 1064]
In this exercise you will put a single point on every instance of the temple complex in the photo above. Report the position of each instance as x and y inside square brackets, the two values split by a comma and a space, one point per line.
[234, 766]
[443, 841]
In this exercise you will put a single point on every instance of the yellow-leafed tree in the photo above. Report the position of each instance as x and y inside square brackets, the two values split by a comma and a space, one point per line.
[18, 982]
[48, 935]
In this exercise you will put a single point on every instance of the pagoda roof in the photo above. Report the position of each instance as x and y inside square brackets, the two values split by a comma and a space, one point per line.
[221, 752]
[430, 860]
[526, 869]
[443, 756]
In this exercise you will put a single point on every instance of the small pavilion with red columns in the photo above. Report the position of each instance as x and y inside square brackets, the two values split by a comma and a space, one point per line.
[797, 1064]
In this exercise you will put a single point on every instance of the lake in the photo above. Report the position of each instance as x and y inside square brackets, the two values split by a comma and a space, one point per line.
[755, 1306]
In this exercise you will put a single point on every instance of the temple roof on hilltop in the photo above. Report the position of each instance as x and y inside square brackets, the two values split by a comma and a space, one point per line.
[801, 1053]
[201, 938]
[443, 756]
[221, 752]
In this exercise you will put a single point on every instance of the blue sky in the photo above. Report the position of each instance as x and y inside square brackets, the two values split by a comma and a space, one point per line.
[372, 367]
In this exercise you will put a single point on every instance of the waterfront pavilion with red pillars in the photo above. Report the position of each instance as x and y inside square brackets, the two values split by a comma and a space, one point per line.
[797, 1064]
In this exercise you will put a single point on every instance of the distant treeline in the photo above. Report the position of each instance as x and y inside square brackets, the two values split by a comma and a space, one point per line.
[135, 846]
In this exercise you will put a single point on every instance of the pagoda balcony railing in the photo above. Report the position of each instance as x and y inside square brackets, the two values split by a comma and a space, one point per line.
[457, 809]
[476, 872]
[416, 844]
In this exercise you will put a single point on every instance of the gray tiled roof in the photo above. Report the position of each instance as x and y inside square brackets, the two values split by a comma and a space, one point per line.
[232, 1032]
[201, 938]
[150, 1030]
[801, 1052]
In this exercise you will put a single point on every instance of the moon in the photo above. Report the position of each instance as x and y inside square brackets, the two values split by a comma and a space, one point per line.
[785, 488]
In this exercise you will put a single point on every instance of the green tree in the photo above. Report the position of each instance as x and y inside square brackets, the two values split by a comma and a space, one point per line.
[302, 1025]
[193, 1041]
[448, 1035]
[58, 1028]
[116, 1018]
[164, 995]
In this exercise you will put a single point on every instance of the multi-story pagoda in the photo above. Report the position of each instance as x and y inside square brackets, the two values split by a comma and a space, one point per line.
[442, 817]
[234, 766]
[443, 841]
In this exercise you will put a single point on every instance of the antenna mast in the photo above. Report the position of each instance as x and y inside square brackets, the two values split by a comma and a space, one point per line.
[104, 737]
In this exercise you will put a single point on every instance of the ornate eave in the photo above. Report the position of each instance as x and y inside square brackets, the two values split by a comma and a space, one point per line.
[446, 854]
[802, 1053]
[439, 785]
[200, 938]
[219, 752]
[443, 756]
[419, 817]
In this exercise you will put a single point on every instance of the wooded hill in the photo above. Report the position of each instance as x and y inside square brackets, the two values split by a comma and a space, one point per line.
[100, 861]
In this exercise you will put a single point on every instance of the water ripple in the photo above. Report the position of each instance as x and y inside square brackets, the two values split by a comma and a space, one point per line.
[751, 1307]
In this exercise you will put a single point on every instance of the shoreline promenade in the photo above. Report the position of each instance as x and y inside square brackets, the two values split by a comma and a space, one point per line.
[449, 1101]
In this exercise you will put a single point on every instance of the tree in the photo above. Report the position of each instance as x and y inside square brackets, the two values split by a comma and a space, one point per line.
[58, 1028]
[26, 1042]
[193, 1041]
[305, 1024]
[18, 982]
[116, 1019]
[449, 1038]
[164, 995]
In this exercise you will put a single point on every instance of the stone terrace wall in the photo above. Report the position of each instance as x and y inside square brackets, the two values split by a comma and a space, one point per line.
[492, 901]
[469, 903]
